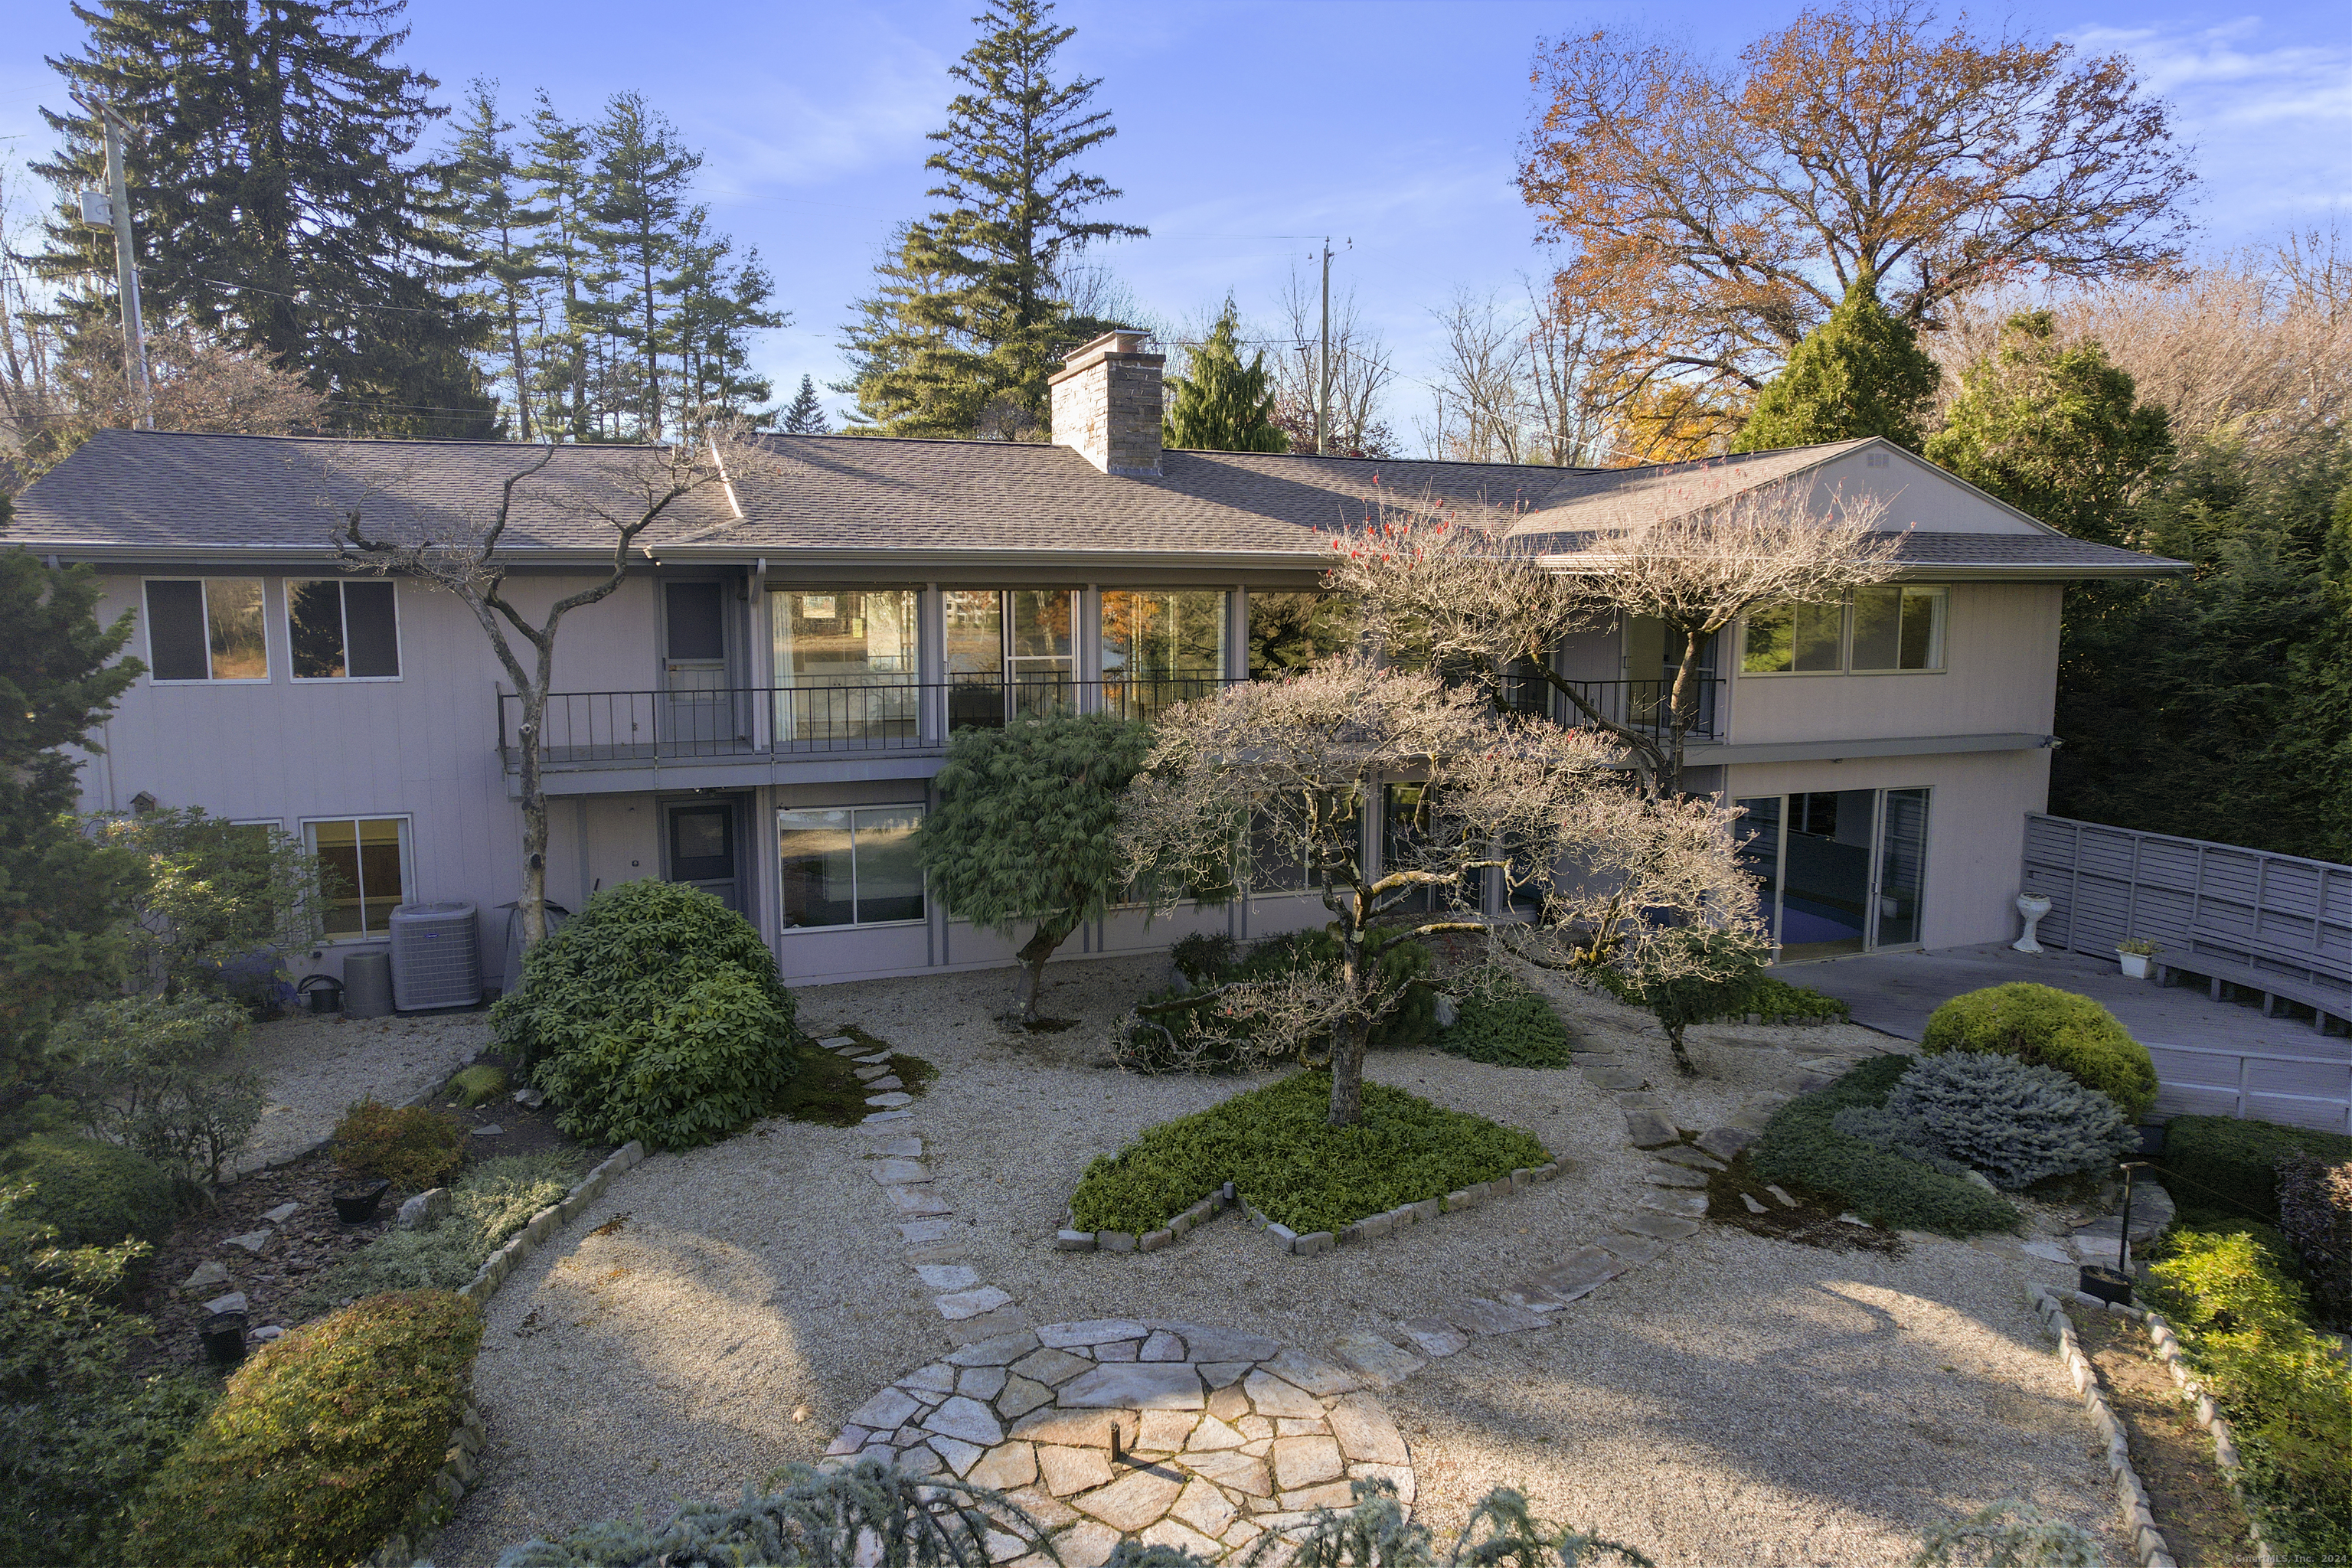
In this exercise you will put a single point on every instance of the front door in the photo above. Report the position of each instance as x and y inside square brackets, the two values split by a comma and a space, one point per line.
[1838, 871]
[703, 849]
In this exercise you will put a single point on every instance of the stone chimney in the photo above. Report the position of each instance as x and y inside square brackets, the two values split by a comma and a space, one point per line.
[1107, 404]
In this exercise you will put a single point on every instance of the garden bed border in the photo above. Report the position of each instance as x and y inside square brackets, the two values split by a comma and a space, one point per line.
[1313, 1243]
[2147, 1540]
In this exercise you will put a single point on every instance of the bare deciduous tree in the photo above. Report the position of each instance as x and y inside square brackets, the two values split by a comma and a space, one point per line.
[1712, 214]
[1287, 766]
[464, 552]
[1480, 395]
[1695, 551]
[1360, 372]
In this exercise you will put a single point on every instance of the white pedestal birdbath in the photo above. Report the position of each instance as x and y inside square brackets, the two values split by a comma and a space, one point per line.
[2033, 906]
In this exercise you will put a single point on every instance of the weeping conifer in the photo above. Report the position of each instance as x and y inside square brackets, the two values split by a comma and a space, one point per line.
[1222, 404]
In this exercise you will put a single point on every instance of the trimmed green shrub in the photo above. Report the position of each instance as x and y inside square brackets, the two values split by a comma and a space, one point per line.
[322, 1445]
[1278, 1148]
[2314, 1202]
[2245, 1327]
[2224, 1159]
[2017, 1123]
[490, 1204]
[655, 1013]
[1209, 1039]
[1803, 1147]
[94, 1194]
[81, 1431]
[1697, 976]
[2048, 1027]
[1777, 1001]
[1500, 1018]
[414, 1147]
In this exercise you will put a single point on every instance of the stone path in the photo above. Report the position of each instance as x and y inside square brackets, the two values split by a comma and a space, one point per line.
[1176, 1434]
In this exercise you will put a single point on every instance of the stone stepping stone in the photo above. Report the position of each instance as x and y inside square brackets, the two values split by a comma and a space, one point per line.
[877, 1059]
[1435, 1336]
[1375, 1358]
[206, 1277]
[947, 1276]
[1783, 1199]
[898, 1149]
[1137, 1385]
[281, 1214]
[1665, 1175]
[923, 1232]
[1688, 1204]
[1633, 1250]
[1753, 1206]
[1480, 1316]
[1684, 1154]
[959, 1305]
[1091, 1331]
[899, 1172]
[868, 1075]
[1278, 1399]
[1657, 1227]
[1003, 1321]
[1616, 1078]
[886, 1115]
[252, 1241]
[2049, 1251]
[893, 1100]
[887, 1081]
[1644, 1101]
[488, 1130]
[915, 1201]
[1312, 1374]
[1578, 1275]
[1723, 1142]
[834, 1042]
[231, 1303]
[1648, 1130]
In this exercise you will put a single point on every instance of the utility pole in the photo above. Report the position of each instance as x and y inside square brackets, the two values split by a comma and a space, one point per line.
[1323, 376]
[110, 208]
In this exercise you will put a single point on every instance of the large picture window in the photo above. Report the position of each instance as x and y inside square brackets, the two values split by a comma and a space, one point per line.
[363, 870]
[845, 664]
[343, 631]
[1010, 654]
[850, 866]
[206, 628]
[1161, 647]
[1892, 628]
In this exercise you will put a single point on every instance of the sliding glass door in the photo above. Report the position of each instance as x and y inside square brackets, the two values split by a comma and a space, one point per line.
[1838, 871]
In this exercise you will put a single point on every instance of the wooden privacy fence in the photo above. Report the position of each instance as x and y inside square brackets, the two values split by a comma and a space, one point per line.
[2228, 917]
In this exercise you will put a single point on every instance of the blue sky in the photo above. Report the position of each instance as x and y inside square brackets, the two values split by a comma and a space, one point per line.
[1390, 123]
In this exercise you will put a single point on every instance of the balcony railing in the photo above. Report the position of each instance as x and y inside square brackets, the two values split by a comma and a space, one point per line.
[883, 715]
[1644, 705]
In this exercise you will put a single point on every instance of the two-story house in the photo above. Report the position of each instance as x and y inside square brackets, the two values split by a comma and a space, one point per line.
[760, 707]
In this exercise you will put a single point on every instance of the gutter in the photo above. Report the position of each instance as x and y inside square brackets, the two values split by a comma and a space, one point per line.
[1734, 755]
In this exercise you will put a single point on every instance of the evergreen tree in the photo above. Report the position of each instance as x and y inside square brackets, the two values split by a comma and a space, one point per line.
[486, 201]
[562, 169]
[1222, 404]
[274, 208]
[1860, 373]
[63, 895]
[2055, 432]
[642, 177]
[970, 306]
[718, 305]
[807, 415]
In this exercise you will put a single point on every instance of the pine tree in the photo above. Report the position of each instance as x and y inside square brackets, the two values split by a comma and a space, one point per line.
[2055, 432]
[807, 415]
[1860, 373]
[969, 308]
[1222, 404]
[718, 305]
[562, 169]
[274, 204]
[642, 177]
[487, 204]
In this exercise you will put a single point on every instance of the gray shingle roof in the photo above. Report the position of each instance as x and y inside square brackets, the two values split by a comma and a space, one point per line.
[140, 491]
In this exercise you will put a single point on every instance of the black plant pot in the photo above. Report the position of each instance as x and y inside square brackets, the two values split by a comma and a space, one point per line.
[356, 1206]
[223, 1338]
[2107, 1284]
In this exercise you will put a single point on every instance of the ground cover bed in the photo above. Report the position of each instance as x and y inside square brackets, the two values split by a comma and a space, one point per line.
[1278, 1148]
[1802, 1148]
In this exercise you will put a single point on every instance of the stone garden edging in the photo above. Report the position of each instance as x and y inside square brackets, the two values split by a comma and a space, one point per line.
[1313, 1243]
[2147, 1540]
[459, 1469]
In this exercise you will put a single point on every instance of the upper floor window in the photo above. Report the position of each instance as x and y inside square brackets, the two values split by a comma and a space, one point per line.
[1161, 647]
[206, 628]
[1010, 653]
[1893, 627]
[343, 630]
[850, 636]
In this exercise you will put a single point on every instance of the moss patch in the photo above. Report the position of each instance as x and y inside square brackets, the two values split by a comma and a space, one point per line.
[1285, 1159]
[825, 1088]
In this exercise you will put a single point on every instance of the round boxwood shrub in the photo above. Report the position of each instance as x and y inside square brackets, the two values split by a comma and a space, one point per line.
[655, 1014]
[95, 1194]
[2048, 1027]
[1500, 1018]
[322, 1444]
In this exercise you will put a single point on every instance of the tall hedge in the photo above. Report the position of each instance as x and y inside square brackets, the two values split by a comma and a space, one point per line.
[2232, 1165]
[2045, 1027]
[656, 1013]
[322, 1445]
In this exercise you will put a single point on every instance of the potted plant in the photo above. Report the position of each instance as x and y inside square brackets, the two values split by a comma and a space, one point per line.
[355, 1205]
[2133, 954]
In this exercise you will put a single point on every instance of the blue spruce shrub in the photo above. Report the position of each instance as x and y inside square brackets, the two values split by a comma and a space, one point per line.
[1905, 1136]
[2016, 1123]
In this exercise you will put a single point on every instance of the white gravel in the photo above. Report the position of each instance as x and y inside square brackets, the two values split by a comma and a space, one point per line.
[1741, 1401]
[315, 1066]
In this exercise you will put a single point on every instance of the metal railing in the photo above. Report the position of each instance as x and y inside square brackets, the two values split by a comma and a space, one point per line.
[1645, 705]
[884, 714]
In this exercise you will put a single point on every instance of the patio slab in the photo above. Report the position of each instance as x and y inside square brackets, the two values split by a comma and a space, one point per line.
[1896, 992]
